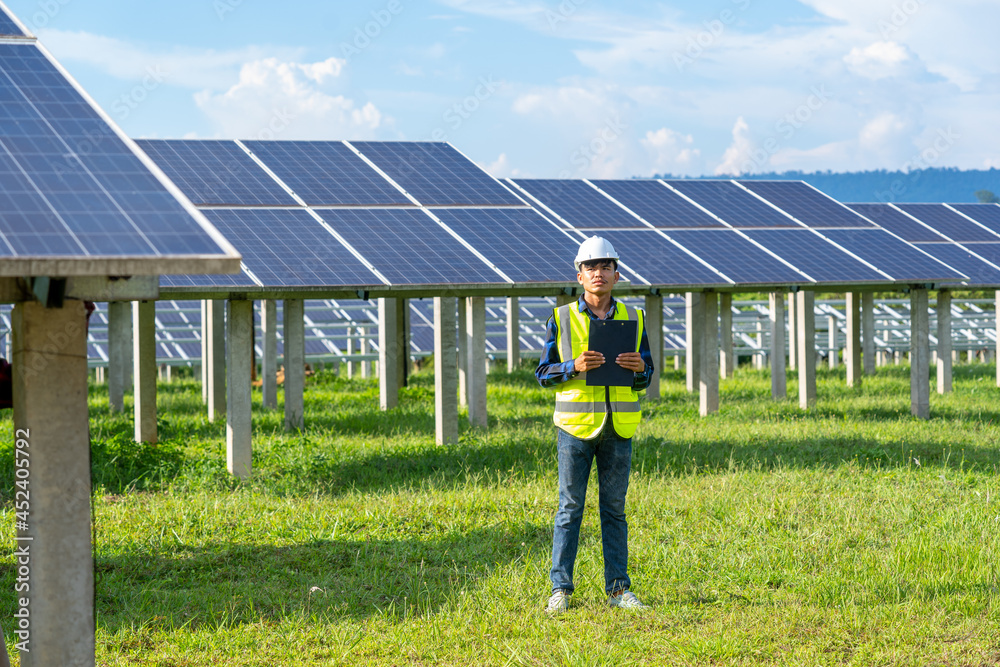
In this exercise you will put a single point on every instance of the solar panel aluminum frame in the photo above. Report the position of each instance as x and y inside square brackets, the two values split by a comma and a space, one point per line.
[227, 261]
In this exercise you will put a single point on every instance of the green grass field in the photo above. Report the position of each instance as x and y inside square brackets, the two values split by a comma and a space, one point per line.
[763, 535]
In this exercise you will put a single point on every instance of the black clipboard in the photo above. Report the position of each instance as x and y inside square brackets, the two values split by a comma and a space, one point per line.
[611, 338]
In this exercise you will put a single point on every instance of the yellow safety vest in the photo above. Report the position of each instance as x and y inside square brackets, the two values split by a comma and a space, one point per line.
[581, 410]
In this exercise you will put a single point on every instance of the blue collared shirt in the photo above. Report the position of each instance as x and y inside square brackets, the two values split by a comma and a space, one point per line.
[551, 371]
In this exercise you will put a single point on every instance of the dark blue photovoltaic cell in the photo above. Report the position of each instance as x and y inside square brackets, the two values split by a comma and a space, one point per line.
[579, 204]
[736, 257]
[326, 173]
[519, 241]
[956, 256]
[897, 222]
[209, 280]
[8, 26]
[285, 247]
[409, 248]
[215, 172]
[658, 260]
[987, 215]
[436, 174]
[949, 223]
[658, 205]
[68, 184]
[806, 204]
[897, 258]
[988, 251]
[813, 255]
[732, 203]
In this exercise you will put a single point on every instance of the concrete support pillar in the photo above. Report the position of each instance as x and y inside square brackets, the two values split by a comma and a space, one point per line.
[779, 387]
[944, 342]
[204, 352]
[868, 332]
[831, 341]
[760, 360]
[445, 371]
[364, 347]
[351, 350]
[269, 363]
[239, 359]
[708, 377]
[388, 354]
[475, 342]
[119, 353]
[463, 355]
[215, 333]
[513, 334]
[852, 351]
[727, 360]
[654, 332]
[295, 363]
[920, 392]
[144, 359]
[678, 360]
[694, 316]
[793, 334]
[805, 301]
[51, 441]
[402, 341]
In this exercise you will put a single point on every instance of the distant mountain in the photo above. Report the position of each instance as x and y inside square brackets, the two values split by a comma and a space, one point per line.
[951, 185]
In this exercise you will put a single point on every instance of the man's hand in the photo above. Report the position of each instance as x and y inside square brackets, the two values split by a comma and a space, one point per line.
[632, 361]
[588, 361]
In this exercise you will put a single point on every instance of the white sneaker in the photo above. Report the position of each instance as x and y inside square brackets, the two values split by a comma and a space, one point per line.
[626, 600]
[558, 601]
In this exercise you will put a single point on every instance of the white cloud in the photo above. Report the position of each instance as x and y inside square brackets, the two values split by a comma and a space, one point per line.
[737, 156]
[275, 99]
[670, 151]
[501, 168]
[877, 60]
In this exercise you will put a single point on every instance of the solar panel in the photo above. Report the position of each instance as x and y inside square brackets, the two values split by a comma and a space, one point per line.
[897, 258]
[897, 222]
[732, 203]
[656, 204]
[658, 260]
[523, 244]
[807, 204]
[9, 27]
[208, 280]
[735, 256]
[436, 174]
[817, 257]
[215, 172]
[69, 185]
[949, 223]
[979, 272]
[987, 215]
[326, 173]
[285, 247]
[580, 205]
[408, 247]
[988, 251]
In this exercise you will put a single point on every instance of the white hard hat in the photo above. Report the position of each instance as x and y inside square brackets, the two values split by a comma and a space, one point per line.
[596, 247]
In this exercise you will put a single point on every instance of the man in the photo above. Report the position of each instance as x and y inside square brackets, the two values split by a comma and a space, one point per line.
[594, 423]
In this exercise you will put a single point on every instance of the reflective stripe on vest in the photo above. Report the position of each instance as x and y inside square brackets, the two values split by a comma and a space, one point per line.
[580, 410]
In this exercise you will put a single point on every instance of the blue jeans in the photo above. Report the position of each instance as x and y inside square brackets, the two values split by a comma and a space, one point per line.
[614, 461]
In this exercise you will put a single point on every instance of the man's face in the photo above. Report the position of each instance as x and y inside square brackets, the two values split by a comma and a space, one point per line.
[598, 277]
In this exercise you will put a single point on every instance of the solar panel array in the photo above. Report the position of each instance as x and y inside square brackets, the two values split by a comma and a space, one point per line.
[963, 236]
[73, 189]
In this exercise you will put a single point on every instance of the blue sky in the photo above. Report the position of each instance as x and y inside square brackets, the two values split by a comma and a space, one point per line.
[578, 88]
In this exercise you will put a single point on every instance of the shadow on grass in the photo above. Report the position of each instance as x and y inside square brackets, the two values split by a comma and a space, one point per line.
[224, 585]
